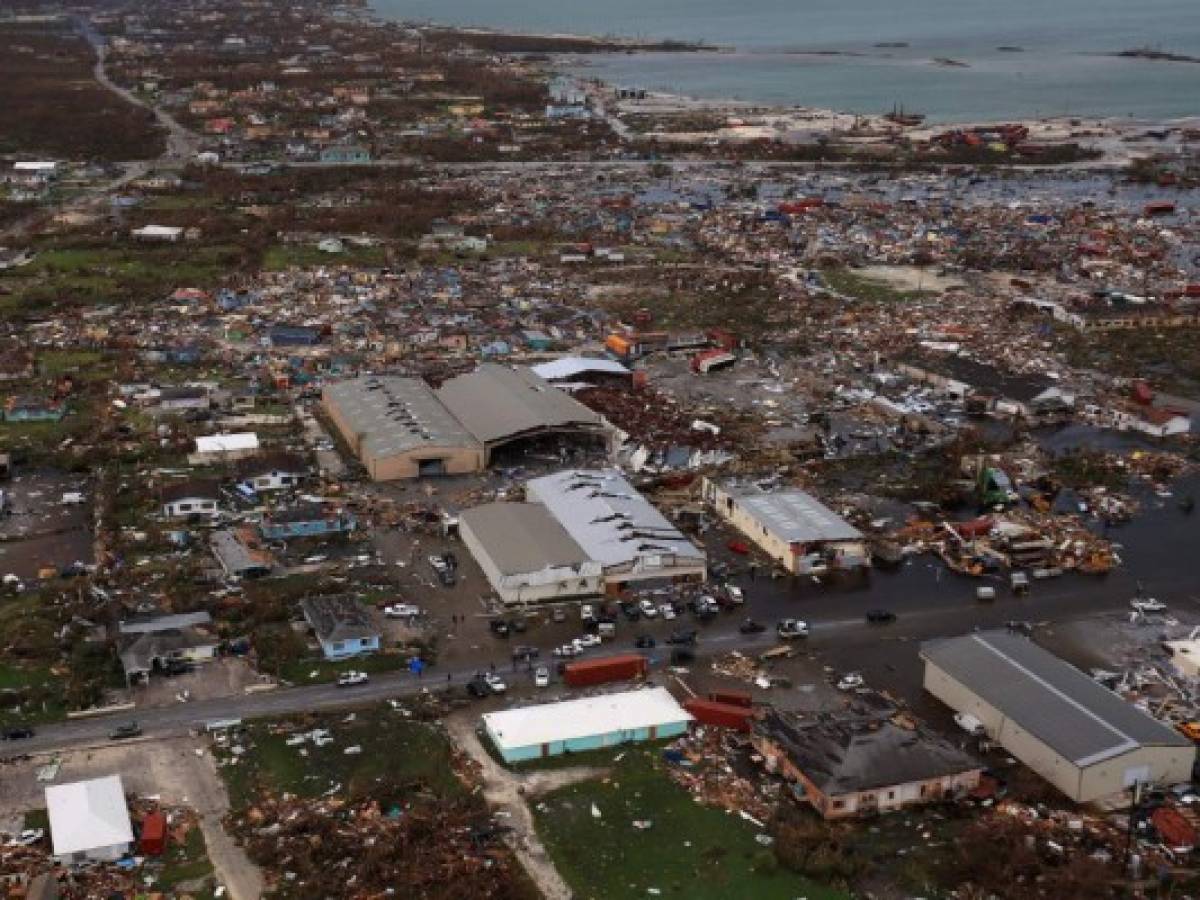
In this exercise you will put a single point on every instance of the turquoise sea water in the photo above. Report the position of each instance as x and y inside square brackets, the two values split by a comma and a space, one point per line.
[779, 51]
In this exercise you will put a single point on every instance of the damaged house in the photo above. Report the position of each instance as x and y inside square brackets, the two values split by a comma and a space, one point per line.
[861, 765]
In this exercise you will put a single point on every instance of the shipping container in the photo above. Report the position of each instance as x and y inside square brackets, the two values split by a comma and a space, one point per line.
[720, 715]
[153, 840]
[604, 669]
[1173, 829]
[733, 698]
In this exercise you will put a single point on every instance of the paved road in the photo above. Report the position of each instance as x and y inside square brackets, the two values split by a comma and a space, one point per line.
[838, 629]
[181, 143]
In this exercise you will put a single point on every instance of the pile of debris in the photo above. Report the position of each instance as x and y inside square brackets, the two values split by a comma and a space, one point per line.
[425, 846]
[716, 767]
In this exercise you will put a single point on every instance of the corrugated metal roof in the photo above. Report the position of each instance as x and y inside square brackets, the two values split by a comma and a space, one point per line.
[792, 515]
[497, 403]
[396, 415]
[1047, 697]
[573, 366]
[522, 538]
[611, 521]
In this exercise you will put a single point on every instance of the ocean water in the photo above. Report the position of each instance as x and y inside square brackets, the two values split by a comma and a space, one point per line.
[825, 53]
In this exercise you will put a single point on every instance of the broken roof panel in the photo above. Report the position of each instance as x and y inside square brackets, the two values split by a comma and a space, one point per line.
[792, 515]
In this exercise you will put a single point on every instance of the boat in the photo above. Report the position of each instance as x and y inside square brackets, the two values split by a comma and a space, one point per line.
[907, 119]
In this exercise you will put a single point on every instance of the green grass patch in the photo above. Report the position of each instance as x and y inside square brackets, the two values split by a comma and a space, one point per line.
[872, 290]
[116, 273]
[394, 750]
[323, 671]
[185, 863]
[37, 818]
[689, 851]
[302, 256]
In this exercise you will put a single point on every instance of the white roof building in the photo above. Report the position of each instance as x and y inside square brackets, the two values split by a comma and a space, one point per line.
[587, 723]
[216, 448]
[617, 526]
[89, 820]
[569, 367]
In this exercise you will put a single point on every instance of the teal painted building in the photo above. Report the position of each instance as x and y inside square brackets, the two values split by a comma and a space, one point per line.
[588, 723]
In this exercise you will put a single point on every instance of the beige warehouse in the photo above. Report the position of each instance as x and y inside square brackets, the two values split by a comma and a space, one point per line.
[402, 428]
[1082, 738]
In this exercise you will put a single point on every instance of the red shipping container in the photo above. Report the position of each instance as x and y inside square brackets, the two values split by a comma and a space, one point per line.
[606, 668]
[733, 698]
[721, 715]
[154, 834]
[1176, 831]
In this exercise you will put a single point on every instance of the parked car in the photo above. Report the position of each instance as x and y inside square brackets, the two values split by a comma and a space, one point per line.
[587, 613]
[880, 616]
[789, 629]
[352, 678]
[682, 637]
[735, 595]
[631, 611]
[1146, 605]
[541, 677]
[566, 651]
[749, 626]
[450, 560]
[667, 611]
[648, 609]
[518, 625]
[523, 652]
[591, 640]
[401, 611]
[28, 837]
[447, 577]
[128, 730]
[478, 688]
[644, 642]
[495, 683]
[437, 563]
[16, 733]
[851, 681]
[558, 614]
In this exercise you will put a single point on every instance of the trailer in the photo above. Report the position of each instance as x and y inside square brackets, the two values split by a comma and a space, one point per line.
[588, 672]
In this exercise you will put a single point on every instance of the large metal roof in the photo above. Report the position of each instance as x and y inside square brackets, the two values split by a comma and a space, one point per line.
[396, 415]
[499, 403]
[522, 538]
[792, 515]
[1050, 699]
[608, 518]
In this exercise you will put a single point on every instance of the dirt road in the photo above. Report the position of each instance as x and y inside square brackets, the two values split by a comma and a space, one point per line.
[508, 792]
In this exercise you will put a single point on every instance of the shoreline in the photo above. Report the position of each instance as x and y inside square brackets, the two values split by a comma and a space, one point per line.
[561, 47]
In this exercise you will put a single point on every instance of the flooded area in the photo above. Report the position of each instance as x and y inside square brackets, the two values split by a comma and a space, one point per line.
[46, 523]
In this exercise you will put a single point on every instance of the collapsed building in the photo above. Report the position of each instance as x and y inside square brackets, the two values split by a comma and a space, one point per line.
[400, 427]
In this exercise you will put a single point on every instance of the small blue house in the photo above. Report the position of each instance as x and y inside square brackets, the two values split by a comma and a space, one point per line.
[305, 520]
[344, 627]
